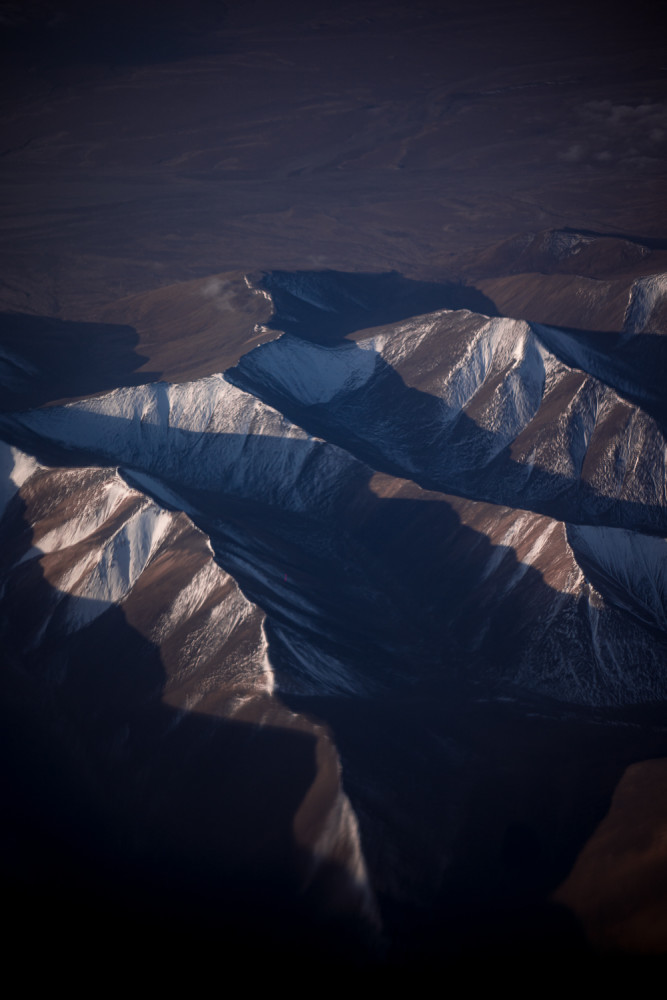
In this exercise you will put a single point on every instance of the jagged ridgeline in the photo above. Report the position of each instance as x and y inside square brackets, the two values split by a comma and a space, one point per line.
[403, 499]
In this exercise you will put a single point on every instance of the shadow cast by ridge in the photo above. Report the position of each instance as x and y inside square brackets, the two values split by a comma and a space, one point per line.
[635, 365]
[122, 813]
[283, 515]
[406, 432]
[324, 306]
[487, 757]
[45, 360]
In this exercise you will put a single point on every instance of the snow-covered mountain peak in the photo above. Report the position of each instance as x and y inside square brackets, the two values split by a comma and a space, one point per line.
[204, 435]
[474, 405]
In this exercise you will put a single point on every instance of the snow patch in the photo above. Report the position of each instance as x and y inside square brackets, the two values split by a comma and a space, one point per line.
[311, 373]
[506, 351]
[257, 291]
[117, 565]
[16, 467]
[100, 507]
[265, 662]
[646, 295]
[189, 600]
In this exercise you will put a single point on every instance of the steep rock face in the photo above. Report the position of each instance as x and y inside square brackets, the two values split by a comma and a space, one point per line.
[478, 407]
[205, 435]
[193, 573]
[368, 582]
[263, 490]
[630, 569]
[97, 543]
[646, 305]
[154, 671]
[507, 594]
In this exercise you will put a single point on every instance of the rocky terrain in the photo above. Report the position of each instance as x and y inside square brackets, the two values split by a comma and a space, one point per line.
[332, 517]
